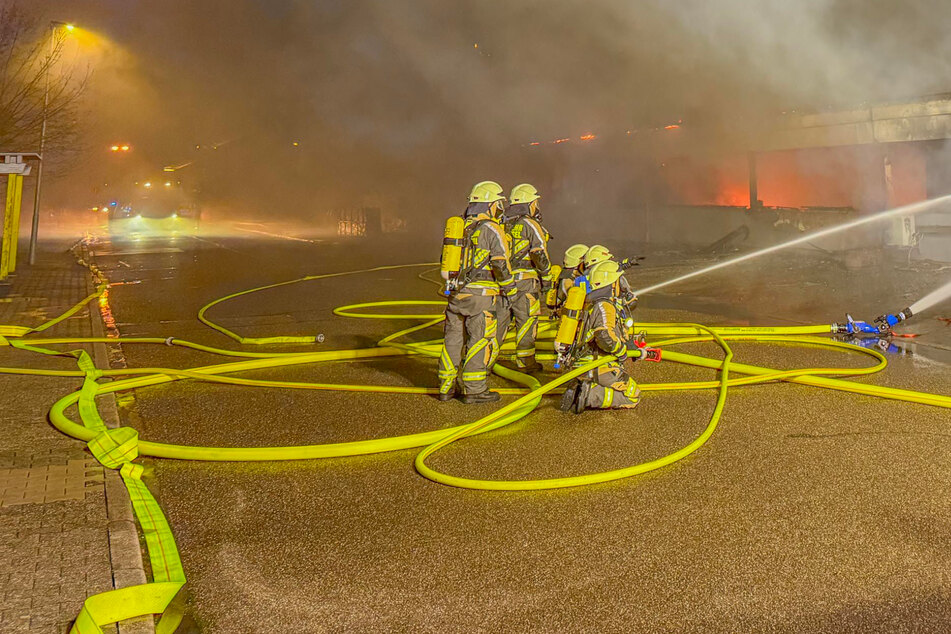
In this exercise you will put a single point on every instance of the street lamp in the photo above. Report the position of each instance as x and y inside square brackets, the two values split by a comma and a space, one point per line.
[34, 229]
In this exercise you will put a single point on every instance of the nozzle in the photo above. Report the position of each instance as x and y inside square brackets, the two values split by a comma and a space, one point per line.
[627, 263]
[889, 321]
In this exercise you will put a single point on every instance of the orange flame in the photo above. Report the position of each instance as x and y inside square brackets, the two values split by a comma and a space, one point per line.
[672, 126]
[565, 140]
[588, 137]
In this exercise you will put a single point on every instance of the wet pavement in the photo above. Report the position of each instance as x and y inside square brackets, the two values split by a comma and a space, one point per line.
[808, 510]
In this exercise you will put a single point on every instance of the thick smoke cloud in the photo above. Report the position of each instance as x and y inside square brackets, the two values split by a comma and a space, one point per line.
[405, 104]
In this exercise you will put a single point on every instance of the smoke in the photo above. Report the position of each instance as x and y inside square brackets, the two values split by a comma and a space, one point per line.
[405, 105]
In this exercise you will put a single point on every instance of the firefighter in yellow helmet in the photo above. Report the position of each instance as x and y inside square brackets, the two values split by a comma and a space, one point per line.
[570, 270]
[597, 254]
[484, 277]
[531, 267]
[603, 333]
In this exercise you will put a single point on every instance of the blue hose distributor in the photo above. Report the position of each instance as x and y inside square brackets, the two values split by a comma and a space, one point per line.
[852, 327]
[881, 325]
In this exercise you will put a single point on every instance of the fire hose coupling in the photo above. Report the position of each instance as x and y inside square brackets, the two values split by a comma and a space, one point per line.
[852, 327]
[647, 353]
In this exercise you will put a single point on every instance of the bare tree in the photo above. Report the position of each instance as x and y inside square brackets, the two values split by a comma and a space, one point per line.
[30, 56]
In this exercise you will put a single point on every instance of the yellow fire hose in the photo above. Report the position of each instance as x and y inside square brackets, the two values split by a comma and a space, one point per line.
[117, 448]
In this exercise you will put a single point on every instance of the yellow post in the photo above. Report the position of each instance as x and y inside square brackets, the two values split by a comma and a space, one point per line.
[15, 233]
[7, 228]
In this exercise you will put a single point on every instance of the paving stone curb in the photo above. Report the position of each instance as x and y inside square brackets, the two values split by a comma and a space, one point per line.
[125, 549]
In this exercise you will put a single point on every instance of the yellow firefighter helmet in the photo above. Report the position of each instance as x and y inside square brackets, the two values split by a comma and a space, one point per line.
[574, 254]
[596, 254]
[604, 274]
[486, 192]
[523, 193]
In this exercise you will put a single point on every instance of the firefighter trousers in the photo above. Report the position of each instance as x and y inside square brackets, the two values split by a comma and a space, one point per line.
[526, 309]
[470, 343]
[610, 387]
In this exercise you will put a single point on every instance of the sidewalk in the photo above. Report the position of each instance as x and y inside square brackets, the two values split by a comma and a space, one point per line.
[66, 529]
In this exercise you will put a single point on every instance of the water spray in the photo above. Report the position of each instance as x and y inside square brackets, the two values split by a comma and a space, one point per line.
[906, 210]
[931, 299]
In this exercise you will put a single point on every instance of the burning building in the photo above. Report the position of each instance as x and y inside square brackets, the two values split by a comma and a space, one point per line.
[678, 183]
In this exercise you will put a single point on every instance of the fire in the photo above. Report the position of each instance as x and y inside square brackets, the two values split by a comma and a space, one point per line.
[535, 143]
[588, 137]
[672, 126]
[565, 140]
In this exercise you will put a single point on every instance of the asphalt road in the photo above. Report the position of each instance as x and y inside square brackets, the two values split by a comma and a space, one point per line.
[808, 510]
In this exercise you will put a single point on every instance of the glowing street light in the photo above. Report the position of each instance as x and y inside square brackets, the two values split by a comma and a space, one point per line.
[35, 226]
[147, 185]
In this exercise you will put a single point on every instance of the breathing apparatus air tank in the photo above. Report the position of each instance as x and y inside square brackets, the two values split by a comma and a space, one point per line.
[452, 244]
[568, 325]
[551, 297]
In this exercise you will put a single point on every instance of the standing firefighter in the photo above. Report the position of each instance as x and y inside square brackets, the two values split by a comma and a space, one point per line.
[601, 332]
[570, 270]
[475, 264]
[531, 268]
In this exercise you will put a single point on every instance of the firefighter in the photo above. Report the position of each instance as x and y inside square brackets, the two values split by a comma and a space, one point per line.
[598, 254]
[570, 270]
[528, 241]
[483, 280]
[603, 333]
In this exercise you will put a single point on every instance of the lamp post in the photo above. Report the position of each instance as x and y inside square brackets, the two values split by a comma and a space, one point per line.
[34, 229]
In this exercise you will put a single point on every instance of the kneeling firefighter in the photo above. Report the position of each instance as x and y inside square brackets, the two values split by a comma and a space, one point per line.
[475, 265]
[598, 254]
[600, 331]
[531, 268]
